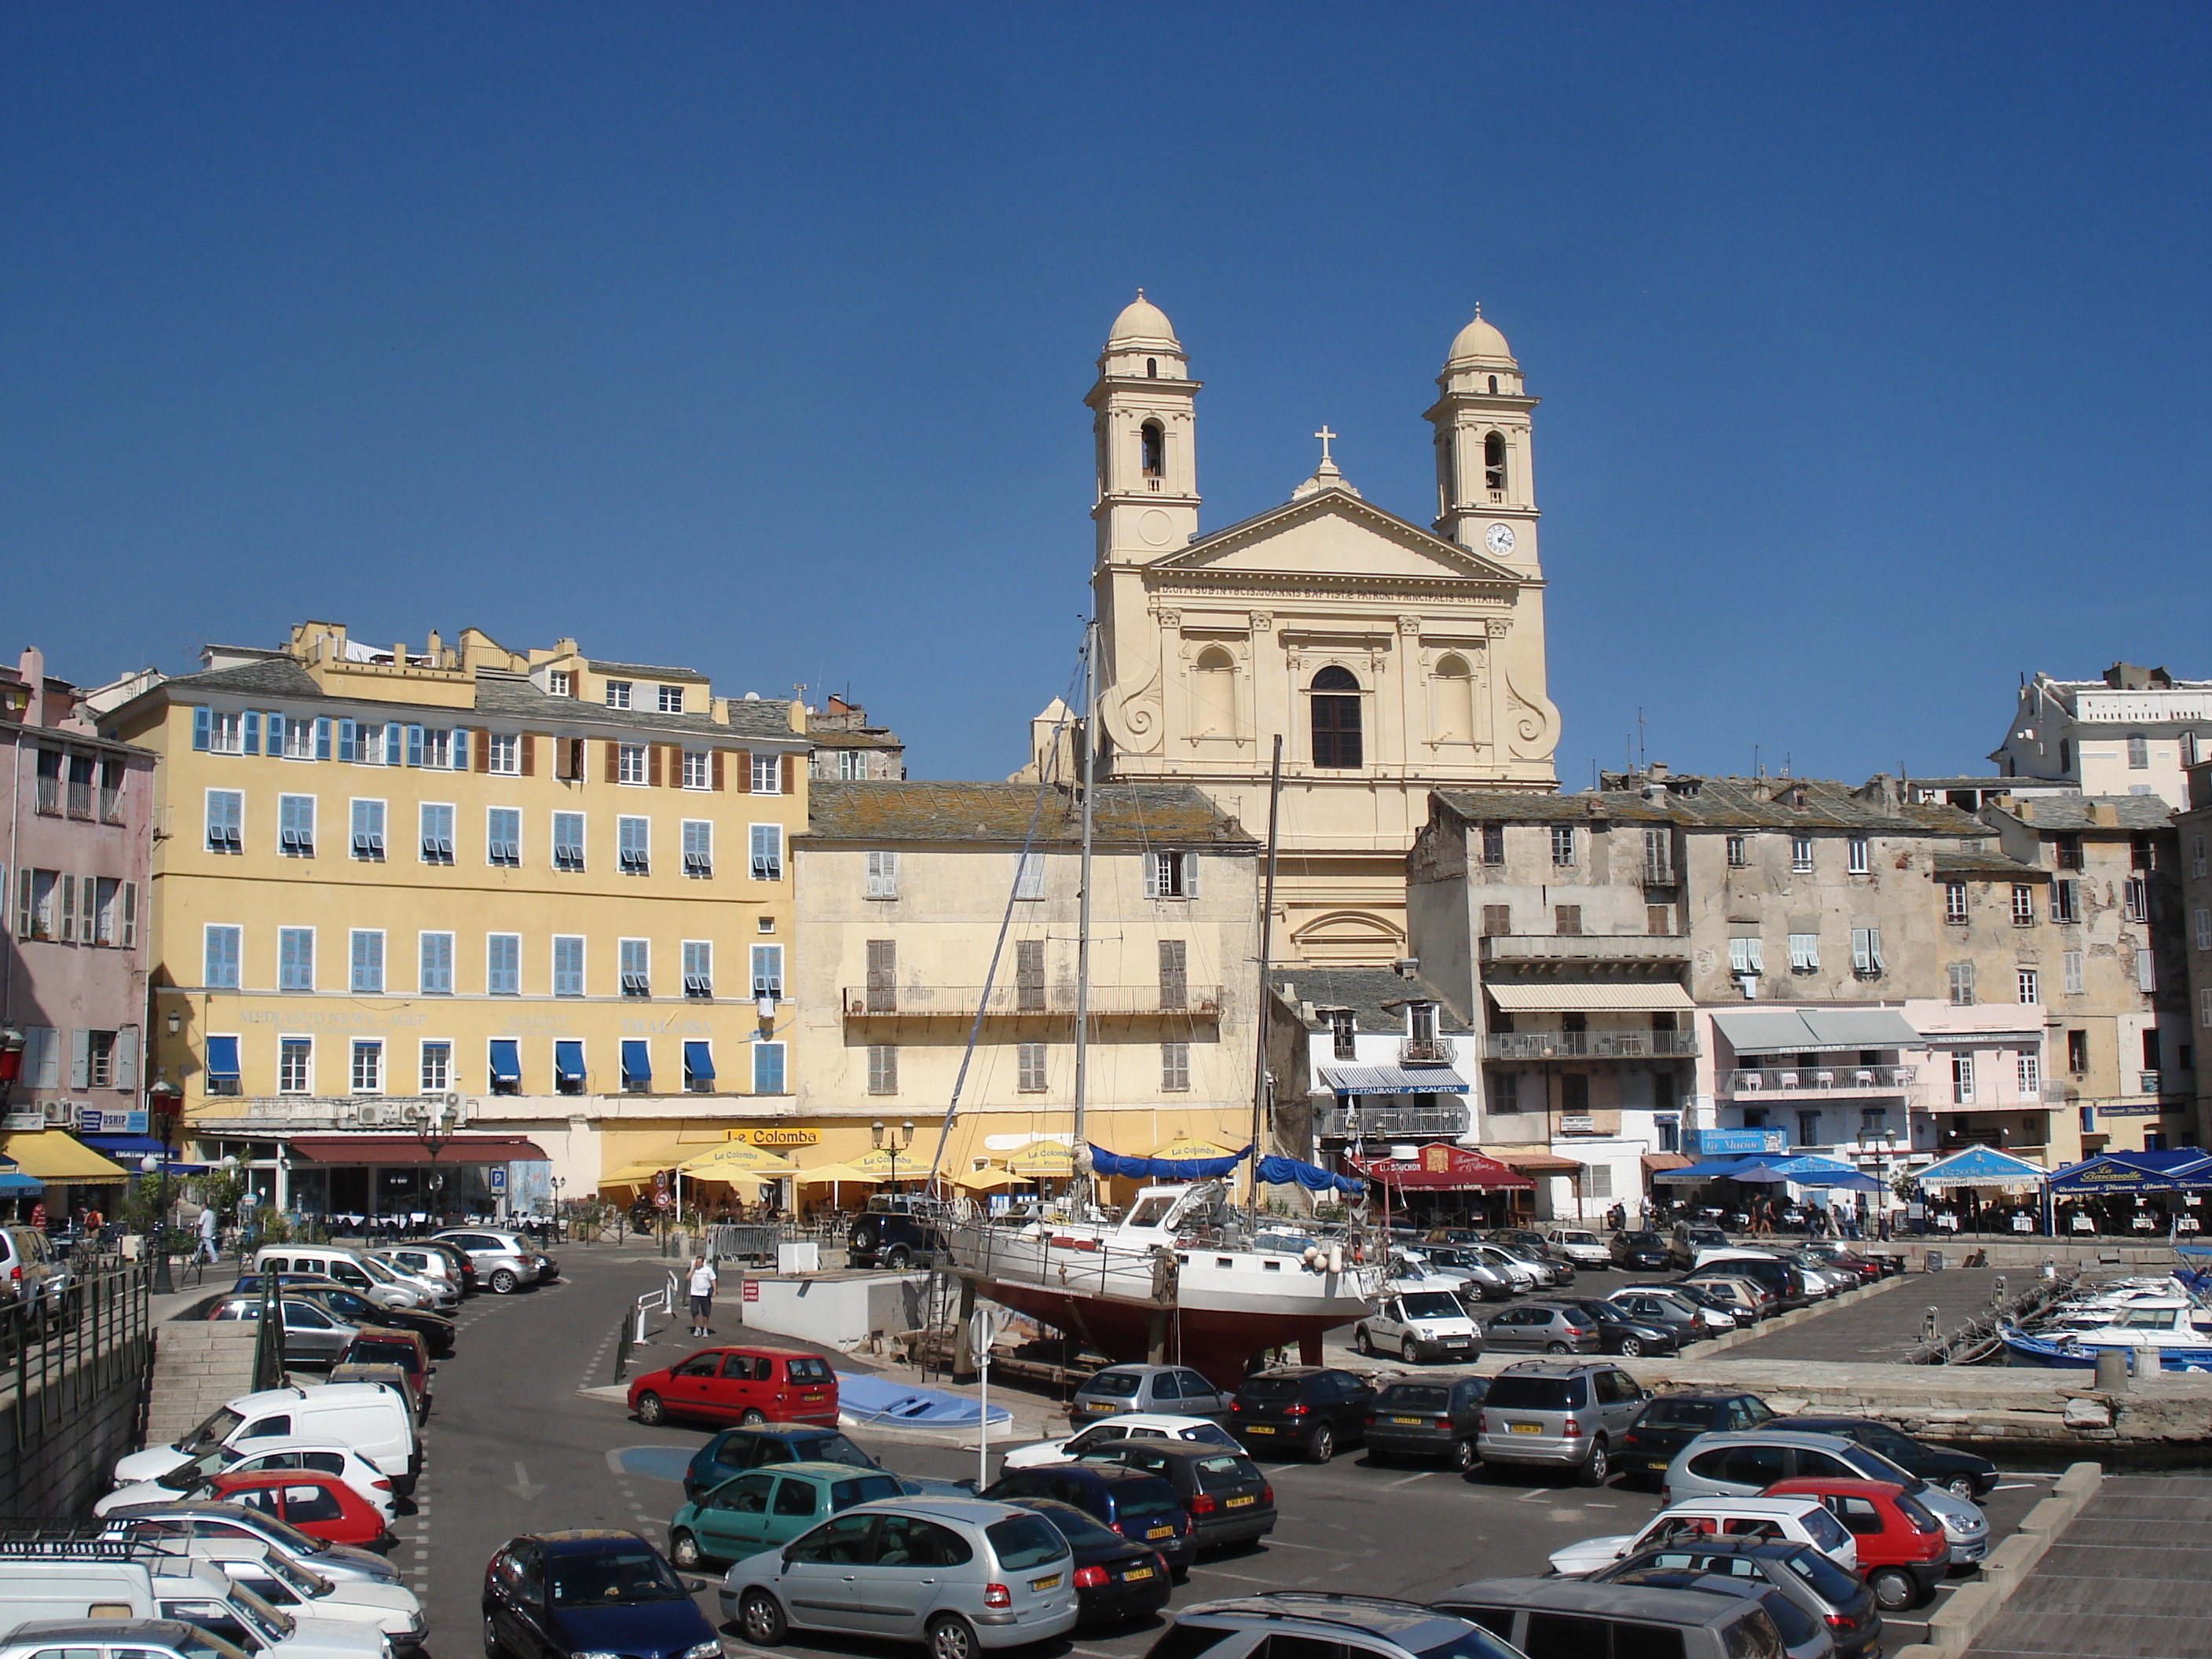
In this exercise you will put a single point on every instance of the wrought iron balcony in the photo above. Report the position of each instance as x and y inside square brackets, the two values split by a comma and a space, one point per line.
[1426, 1051]
[1590, 1045]
[1340, 1122]
[1019, 1001]
[243, 1114]
[1759, 1082]
[1539, 948]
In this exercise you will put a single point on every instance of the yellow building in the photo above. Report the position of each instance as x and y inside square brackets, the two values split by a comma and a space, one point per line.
[549, 894]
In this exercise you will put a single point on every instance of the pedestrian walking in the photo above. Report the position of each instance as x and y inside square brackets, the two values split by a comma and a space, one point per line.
[206, 1251]
[703, 1295]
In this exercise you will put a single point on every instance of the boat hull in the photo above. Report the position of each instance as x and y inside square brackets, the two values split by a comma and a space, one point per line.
[2027, 1351]
[1218, 1342]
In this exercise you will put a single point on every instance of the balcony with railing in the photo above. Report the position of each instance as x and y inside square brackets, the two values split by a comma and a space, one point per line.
[80, 798]
[1590, 1045]
[50, 795]
[1030, 1001]
[1340, 1121]
[244, 1114]
[1540, 948]
[1427, 1051]
[1787, 1081]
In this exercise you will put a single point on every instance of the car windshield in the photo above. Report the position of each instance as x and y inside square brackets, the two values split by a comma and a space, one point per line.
[1830, 1582]
[378, 1270]
[833, 1448]
[1210, 1434]
[217, 1427]
[1707, 1235]
[1874, 1467]
[1678, 1415]
[1475, 1642]
[1536, 1393]
[402, 1354]
[1145, 1500]
[185, 1476]
[1022, 1541]
[1222, 1471]
[1572, 1237]
[1113, 1385]
[1433, 1304]
[1413, 1396]
[1642, 1241]
[1795, 1625]
[1273, 1388]
[271, 1625]
[615, 1577]
[1078, 1529]
[284, 1533]
[302, 1583]
[197, 1644]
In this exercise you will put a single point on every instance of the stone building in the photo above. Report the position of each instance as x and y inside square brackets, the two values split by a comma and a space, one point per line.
[2133, 731]
[848, 747]
[2193, 848]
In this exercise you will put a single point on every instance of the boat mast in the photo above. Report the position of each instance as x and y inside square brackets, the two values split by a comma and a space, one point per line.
[1260, 1004]
[1081, 1188]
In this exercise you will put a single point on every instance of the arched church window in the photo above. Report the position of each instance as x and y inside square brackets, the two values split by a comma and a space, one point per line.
[1336, 720]
[1494, 383]
[1153, 370]
[1216, 688]
[1153, 448]
[1493, 461]
[1454, 690]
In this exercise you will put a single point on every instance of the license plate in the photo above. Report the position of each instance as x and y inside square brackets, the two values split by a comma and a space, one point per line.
[1526, 1428]
[1240, 1503]
[1257, 1428]
[1093, 1406]
[1045, 1584]
[1135, 1573]
[1161, 1532]
[1410, 1422]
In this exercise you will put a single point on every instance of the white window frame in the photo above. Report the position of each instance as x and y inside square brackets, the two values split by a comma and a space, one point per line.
[767, 978]
[617, 693]
[883, 1069]
[668, 699]
[1962, 1076]
[438, 749]
[1858, 856]
[226, 732]
[1029, 875]
[292, 841]
[1747, 955]
[373, 1047]
[503, 754]
[308, 933]
[1866, 951]
[422, 1077]
[2023, 905]
[571, 855]
[698, 968]
[762, 1051]
[493, 945]
[1804, 953]
[1960, 983]
[1175, 1068]
[230, 821]
[1563, 846]
[1954, 901]
[299, 740]
[853, 765]
[353, 938]
[560, 683]
[883, 873]
[500, 853]
[698, 847]
[634, 959]
[1801, 855]
[306, 1084]
[631, 763]
[764, 866]
[375, 838]
[423, 979]
[634, 846]
[698, 769]
[2028, 983]
[2070, 972]
[1032, 1068]
[432, 848]
[768, 772]
[1171, 873]
[2031, 1075]
[1738, 850]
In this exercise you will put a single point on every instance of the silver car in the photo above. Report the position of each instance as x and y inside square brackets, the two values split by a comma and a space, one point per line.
[956, 1574]
[504, 1263]
[1558, 1414]
[1741, 1463]
[1174, 1390]
[314, 1335]
[1543, 1327]
[152, 1523]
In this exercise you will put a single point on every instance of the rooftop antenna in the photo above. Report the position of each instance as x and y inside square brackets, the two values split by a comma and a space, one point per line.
[1757, 770]
[1642, 757]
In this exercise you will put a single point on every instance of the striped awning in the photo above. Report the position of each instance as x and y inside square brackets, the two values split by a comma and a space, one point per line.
[1392, 1080]
[1596, 996]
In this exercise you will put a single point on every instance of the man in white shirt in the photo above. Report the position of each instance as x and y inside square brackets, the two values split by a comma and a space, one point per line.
[703, 1295]
[206, 1251]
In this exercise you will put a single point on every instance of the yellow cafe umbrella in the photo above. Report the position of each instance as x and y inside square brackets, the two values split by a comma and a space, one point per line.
[987, 1180]
[736, 1159]
[1044, 1157]
[830, 1175]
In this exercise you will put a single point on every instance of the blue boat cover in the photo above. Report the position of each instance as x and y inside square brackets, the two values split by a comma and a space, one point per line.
[1164, 1169]
[878, 1400]
[1288, 1171]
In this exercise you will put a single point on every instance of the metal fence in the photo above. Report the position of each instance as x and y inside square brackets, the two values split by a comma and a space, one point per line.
[60, 1370]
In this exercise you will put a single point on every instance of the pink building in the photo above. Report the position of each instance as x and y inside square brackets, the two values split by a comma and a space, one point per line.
[73, 975]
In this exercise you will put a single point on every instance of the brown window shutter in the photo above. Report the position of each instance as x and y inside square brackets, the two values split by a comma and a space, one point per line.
[480, 743]
[715, 768]
[790, 773]
[743, 760]
[675, 766]
[529, 755]
[614, 762]
[652, 763]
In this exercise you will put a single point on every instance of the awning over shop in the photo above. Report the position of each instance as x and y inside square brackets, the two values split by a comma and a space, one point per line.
[1442, 1168]
[59, 1158]
[12, 1185]
[1814, 1031]
[222, 1057]
[394, 1151]
[1537, 1162]
[1657, 1162]
[1983, 1166]
[2122, 1172]
[506, 1059]
[1712, 1169]
[734, 1158]
[699, 1062]
[569, 1062]
[1392, 1080]
[1044, 1157]
[121, 1145]
[1592, 995]
[636, 1061]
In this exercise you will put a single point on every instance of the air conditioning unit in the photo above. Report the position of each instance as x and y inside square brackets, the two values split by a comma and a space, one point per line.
[368, 1117]
[408, 1113]
[61, 1114]
[456, 1110]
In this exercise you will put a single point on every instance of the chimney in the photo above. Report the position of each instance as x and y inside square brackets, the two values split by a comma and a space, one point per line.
[1657, 773]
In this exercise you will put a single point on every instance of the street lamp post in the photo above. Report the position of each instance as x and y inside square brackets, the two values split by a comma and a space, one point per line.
[163, 1098]
[437, 1129]
[894, 1139]
[557, 1183]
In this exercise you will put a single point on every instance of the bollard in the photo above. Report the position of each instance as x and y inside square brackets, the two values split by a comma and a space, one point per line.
[2111, 1370]
[1997, 1291]
[2147, 1362]
[1930, 1328]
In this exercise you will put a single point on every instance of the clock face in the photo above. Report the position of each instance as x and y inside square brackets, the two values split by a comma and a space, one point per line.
[1499, 539]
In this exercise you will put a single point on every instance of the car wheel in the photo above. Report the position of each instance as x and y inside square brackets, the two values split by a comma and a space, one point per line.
[1323, 1446]
[683, 1549]
[504, 1283]
[1462, 1456]
[1893, 1590]
[949, 1636]
[491, 1638]
[1555, 1347]
[1960, 1487]
[1408, 1352]
[650, 1410]
[1632, 1347]
[761, 1618]
[1597, 1465]
[1363, 1343]
[753, 1418]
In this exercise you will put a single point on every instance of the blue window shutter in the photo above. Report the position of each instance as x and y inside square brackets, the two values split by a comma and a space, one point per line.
[252, 743]
[392, 742]
[345, 740]
[323, 737]
[414, 746]
[460, 749]
[200, 720]
[275, 733]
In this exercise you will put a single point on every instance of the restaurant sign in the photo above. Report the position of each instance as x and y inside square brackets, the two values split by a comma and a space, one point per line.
[779, 1136]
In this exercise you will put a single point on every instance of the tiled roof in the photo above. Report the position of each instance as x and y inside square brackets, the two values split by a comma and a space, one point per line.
[1720, 803]
[2069, 813]
[1994, 866]
[643, 670]
[514, 697]
[1368, 991]
[854, 740]
[1124, 815]
[275, 677]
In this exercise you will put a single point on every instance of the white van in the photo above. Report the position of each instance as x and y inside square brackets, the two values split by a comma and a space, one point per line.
[373, 1420]
[103, 1578]
[363, 1276]
[328, 1456]
[392, 1609]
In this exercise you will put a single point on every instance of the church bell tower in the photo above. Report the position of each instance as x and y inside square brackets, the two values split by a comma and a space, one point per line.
[1144, 426]
[1486, 478]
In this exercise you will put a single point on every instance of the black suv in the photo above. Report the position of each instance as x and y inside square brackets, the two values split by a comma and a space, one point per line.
[1311, 1409]
[1228, 1499]
[1960, 1473]
[894, 1239]
[1671, 1421]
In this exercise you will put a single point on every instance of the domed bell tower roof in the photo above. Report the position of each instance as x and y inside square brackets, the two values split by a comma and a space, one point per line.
[1479, 342]
[1143, 324]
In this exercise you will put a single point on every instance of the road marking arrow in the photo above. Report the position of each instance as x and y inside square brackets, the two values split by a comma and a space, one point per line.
[524, 1488]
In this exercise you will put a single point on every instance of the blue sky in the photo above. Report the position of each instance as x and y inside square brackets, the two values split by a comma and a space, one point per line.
[1873, 341]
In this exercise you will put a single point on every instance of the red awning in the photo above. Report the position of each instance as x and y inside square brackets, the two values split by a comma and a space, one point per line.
[1442, 1168]
[393, 1151]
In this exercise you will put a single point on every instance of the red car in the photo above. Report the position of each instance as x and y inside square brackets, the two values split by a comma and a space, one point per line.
[321, 1505]
[740, 1385]
[1903, 1553]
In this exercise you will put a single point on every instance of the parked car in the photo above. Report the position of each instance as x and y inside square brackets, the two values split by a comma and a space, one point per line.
[1903, 1551]
[998, 1576]
[1306, 1409]
[347, 1268]
[1146, 1426]
[749, 1513]
[1699, 1294]
[33, 1278]
[332, 1458]
[1688, 1238]
[319, 1505]
[1426, 1419]
[1550, 1272]
[1543, 1327]
[1671, 1313]
[1867, 1266]
[1481, 1279]
[391, 1610]
[42, 1582]
[1520, 1276]
[152, 1638]
[1765, 1520]
[1785, 1279]
[1836, 1599]
[1417, 1326]
[1960, 1473]
[1636, 1249]
[349, 1308]
[1681, 1302]
[1285, 1622]
[768, 1445]
[369, 1420]
[1733, 1462]
[591, 1590]
[1620, 1332]
[1143, 1508]
[1804, 1634]
[425, 1261]
[1580, 1246]
[894, 1239]
[1222, 1490]
[1175, 1390]
[1746, 1299]
[1669, 1422]
[313, 1334]
[742, 1385]
[173, 1524]
[378, 1344]
[1823, 1275]
[1623, 1618]
[1115, 1581]
[1557, 1414]
[505, 1263]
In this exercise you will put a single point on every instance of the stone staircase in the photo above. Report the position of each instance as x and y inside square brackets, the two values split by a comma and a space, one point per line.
[197, 1367]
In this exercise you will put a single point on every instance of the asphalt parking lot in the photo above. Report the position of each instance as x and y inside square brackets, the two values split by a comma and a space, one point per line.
[515, 1447]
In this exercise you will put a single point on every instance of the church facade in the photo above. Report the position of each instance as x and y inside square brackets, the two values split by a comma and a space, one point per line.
[1392, 659]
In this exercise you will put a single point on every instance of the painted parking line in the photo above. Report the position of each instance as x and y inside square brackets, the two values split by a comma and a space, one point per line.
[1408, 1480]
[1532, 1496]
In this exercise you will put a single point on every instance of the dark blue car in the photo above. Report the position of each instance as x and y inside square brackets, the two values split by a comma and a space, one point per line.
[734, 1451]
[595, 1590]
[1143, 1508]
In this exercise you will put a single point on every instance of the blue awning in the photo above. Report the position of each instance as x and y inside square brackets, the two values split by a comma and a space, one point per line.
[569, 1062]
[699, 1062]
[12, 1182]
[1392, 1080]
[2126, 1172]
[506, 1061]
[1710, 1169]
[120, 1145]
[636, 1061]
[1983, 1166]
[222, 1057]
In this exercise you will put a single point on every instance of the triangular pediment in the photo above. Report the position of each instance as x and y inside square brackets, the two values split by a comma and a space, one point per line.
[1332, 533]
